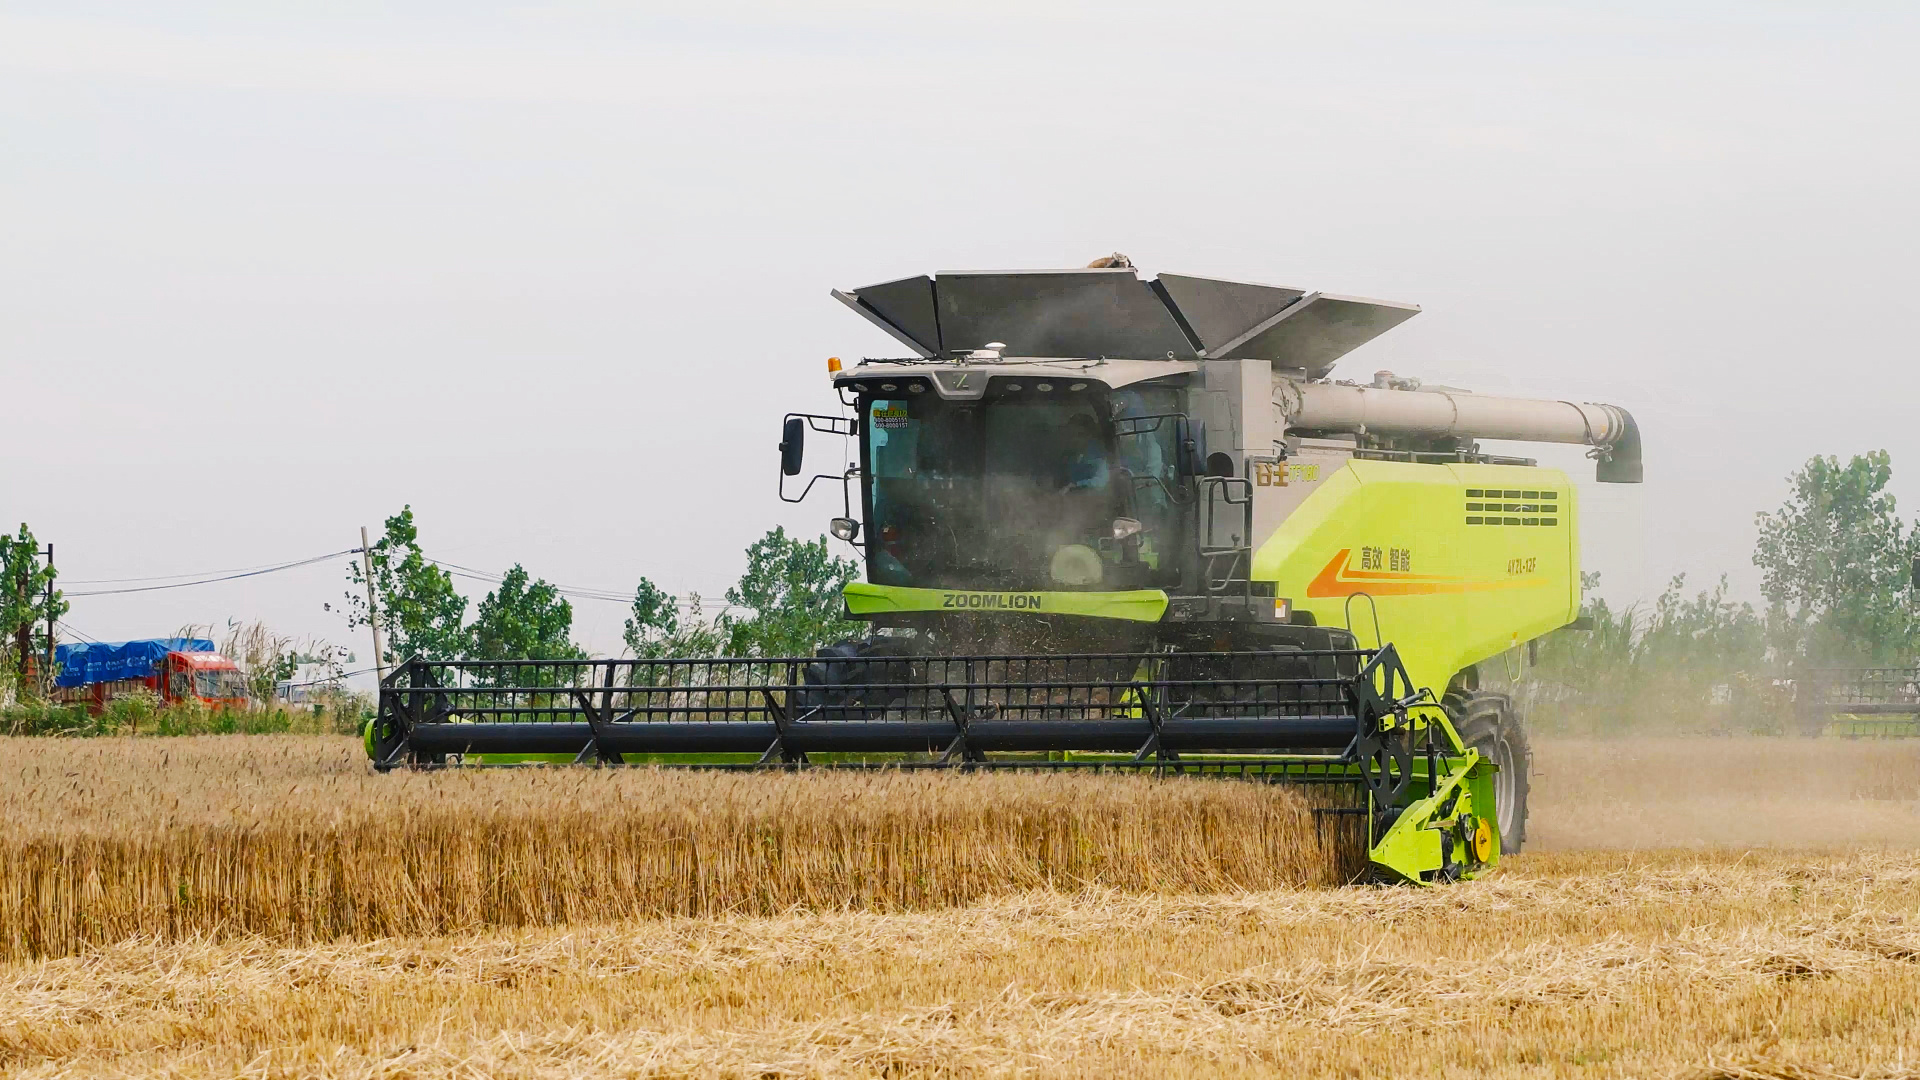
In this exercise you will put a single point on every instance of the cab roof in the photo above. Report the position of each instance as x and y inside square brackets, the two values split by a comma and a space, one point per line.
[209, 660]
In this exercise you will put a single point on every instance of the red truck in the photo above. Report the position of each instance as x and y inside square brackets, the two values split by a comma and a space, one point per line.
[175, 669]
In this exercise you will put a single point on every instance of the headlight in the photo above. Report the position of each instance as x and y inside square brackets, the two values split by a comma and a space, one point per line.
[844, 528]
[1125, 527]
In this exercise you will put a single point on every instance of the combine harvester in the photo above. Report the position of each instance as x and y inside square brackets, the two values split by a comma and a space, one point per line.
[1119, 524]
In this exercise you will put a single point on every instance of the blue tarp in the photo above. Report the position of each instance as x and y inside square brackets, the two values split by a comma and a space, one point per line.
[107, 661]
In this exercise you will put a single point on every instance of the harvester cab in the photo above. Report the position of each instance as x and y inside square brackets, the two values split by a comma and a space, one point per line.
[1117, 523]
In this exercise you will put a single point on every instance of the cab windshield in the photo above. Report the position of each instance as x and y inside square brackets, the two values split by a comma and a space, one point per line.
[1020, 491]
[219, 683]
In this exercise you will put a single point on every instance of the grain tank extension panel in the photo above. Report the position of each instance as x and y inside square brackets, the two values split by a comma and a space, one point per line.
[1092, 313]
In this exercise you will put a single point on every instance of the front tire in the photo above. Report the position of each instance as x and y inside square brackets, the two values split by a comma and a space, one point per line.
[839, 681]
[1490, 724]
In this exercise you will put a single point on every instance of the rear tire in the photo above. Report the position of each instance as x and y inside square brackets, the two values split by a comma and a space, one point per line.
[1489, 724]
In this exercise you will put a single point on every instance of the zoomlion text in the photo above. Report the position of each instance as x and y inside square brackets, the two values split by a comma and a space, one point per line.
[1015, 601]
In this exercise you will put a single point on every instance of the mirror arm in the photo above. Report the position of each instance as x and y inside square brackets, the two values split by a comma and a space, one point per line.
[808, 490]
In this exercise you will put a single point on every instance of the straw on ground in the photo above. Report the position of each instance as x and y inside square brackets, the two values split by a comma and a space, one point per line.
[1571, 965]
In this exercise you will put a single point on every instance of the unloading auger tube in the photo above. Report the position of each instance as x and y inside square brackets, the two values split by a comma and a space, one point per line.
[1392, 784]
[1437, 412]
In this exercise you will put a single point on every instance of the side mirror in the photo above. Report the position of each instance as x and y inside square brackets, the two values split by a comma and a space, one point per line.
[793, 445]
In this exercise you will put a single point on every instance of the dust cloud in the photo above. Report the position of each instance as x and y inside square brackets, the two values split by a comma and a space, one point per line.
[1721, 793]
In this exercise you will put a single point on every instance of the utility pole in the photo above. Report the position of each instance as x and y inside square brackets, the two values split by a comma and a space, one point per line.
[23, 634]
[373, 612]
[46, 673]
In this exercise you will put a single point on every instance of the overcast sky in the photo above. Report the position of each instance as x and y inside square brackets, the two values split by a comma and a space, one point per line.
[551, 275]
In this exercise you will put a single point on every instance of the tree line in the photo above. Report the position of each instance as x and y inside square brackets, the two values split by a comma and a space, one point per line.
[1836, 566]
[786, 603]
[1836, 563]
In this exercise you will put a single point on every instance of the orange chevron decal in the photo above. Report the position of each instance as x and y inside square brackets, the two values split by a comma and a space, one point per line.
[1338, 578]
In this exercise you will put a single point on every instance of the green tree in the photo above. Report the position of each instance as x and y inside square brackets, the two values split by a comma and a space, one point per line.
[656, 629]
[523, 620]
[1586, 660]
[1707, 634]
[1835, 564]
[791, 591]
[420, 612]
[1665, 667]
[653, 621]
[25, 607]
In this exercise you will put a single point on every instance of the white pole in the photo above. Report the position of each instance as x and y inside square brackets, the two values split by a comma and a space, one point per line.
[373, 612]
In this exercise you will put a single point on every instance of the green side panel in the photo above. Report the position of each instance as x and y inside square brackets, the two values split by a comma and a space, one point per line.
[1481, 789]
[1392, 540]
[1445, 812]
[1140, 605]
[1408, 850]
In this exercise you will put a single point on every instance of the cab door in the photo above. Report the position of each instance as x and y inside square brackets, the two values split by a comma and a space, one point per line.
[179, 680]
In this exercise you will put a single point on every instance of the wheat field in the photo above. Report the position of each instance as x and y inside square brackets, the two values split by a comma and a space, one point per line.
[296, 840]
[1731, 909]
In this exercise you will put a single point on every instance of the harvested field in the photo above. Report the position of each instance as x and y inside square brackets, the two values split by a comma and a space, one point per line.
[1590, 965]
[1726, 908]
[1726, 793]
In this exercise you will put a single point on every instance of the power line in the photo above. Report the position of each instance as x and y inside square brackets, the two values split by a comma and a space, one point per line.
[568, 590]
[577, 592]
[225, 577]
[176, 577]
[343, 676]
[455, 570]
[77, 632]
[212, 577]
